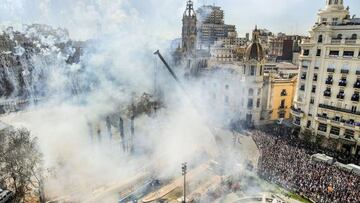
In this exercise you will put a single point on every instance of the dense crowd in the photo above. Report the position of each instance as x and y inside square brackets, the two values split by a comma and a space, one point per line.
[291, 167]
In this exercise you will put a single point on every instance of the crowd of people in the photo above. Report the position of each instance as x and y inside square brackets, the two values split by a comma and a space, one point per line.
[291, 167]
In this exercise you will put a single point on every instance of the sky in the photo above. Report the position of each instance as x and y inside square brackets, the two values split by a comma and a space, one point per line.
[163, 17]
[289, 16]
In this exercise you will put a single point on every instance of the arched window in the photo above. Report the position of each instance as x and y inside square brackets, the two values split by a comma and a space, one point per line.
[336, 2]
[320, 39]
[251, 92]
[354, 36]
[339, 36]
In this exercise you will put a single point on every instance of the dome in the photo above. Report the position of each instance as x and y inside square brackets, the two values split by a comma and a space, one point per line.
[254, 51]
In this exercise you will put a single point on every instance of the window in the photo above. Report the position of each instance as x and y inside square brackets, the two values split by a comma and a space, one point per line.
[303, 76]
[355, 97]
[318, 52]
[353, 109]
[357, 83]
[252, 70]
[312, 100]
[283, 92]
[308, 124]
[349, 134]
[313, 90]
[348, 53]
[335, 130]
[250, 103]
[354, 36]
[342, 82]
[282, 114]
[282, 105]
[341, 94]
[334, 53]
[306, 52]
[320, 39]
[322, 127]
[315, 78]
[302, 87]
[251, 92]
[329, 80]
[258, 103]
[339, 36]
[327, 92]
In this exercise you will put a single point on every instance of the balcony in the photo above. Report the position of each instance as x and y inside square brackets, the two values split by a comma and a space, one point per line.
[355, 98]
[347, 140]
[329, 81]
[350, 41]
[342, 83]
[333, 136]
[302, 88]
[341, 95]
[321, 133]
[357, 84]
[297, 112]
[322, 117]
[333, 108]
[327, 93]
[297, 123]
[303, 77]
[335, 41]
[306, 41]
[306, 52]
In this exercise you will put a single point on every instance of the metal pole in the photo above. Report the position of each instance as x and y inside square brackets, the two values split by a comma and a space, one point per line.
[184, 168]
[167, 66]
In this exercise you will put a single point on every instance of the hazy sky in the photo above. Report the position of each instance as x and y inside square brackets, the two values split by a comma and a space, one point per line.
[290, 16]
[163, 17]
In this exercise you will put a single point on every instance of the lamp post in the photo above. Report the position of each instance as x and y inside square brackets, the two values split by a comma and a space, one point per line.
[184, 171]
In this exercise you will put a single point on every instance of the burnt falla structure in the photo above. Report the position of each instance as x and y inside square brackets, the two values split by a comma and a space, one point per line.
[119, 126]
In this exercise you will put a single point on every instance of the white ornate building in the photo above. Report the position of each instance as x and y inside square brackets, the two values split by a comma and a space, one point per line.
[327, 104]
[236, 88]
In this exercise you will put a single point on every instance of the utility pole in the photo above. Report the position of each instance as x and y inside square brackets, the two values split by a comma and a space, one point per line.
[184, 171]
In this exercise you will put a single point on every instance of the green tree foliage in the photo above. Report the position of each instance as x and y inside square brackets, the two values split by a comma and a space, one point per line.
[20, 164]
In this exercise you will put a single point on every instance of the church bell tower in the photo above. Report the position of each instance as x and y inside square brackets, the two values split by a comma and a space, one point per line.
[189, 30]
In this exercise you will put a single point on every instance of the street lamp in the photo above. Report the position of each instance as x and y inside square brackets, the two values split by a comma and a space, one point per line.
[184, 171]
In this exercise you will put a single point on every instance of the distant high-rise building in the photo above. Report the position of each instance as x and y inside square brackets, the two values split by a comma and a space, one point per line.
[327, 107]
[211, 25]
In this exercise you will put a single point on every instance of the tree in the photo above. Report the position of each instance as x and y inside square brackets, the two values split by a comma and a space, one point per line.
[20, 164]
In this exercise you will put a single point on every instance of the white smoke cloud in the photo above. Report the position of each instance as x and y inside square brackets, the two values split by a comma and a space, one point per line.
[117, 62]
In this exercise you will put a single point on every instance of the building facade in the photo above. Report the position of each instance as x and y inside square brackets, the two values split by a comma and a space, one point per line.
[281, 96]
[327, 102]
[237, 86]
